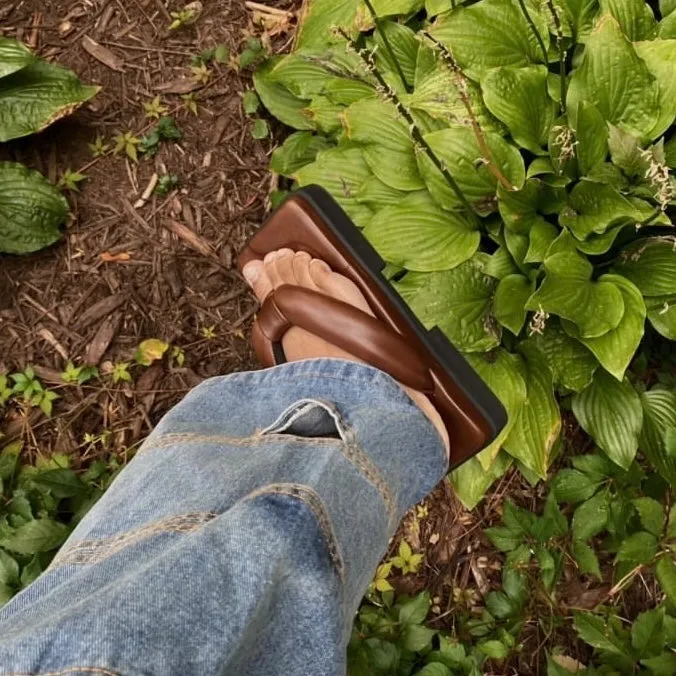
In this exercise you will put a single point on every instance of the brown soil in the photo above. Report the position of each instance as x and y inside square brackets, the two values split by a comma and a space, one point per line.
[124, 273]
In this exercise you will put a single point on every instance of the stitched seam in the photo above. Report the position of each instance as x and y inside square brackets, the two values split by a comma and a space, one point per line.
[69, 670]
[311, 499]
[290, 415]
[94, 551]
[166, 440]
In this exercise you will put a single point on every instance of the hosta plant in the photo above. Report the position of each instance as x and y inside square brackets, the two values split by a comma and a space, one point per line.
[510, 160]
[33, 95]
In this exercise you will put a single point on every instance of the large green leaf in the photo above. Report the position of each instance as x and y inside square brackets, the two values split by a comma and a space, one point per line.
[660, 57]
[625, 151]
[538, 422]
[14, 56]
[509, 302]
[666, 575]
[325, 115]
[393, 7]
[651, 265]
[610, 412]
[521, 209]
[667, 27]
[592, 138]
[322, 17]
[389, 147]
[489, 34]
[457, 301]
[36, 96]
[404, 44]
[594, 207]
[635, 17]
[571, 363]
[341, 171]
[302, 74]
[471, 480]
[282, 103]
[40, 535]
[31, 210]
[417, 235]
[614, 79]
[569, 292]
[659, 417]
[662, 314]
[376, 194]
[667, 7]
[578, 17]
[594, 631]
[616, 348]
[437, 93]
[502, 372]
[518, 97]
[299, 149]
[458, 149]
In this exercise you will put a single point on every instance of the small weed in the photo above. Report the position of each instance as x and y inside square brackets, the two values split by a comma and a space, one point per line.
[70, 179]
[200, 74]
[166, 184]
[209, 332]
[380, 582]
[252, 53]
[33, 391]
[260, 130]
[164, 130]
[99, 148]
[120, 373]
[186, 16]
[155, 109]
[406, 560]
[190, 102]
[178, 355]
[78, 374]
[126, 142]
[250, 102]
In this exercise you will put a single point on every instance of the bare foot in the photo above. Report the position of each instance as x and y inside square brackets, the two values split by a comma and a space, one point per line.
[300, 269]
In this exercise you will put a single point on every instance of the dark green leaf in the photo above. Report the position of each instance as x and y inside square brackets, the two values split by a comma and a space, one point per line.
[434, 669]
[571, 485]
[648, 633]
[62, 483]
[662, 314]
[659, 414]
[505, 539]
[586, 558]
[625, 151]
[594, 631]
[414, 611]
[640, 547]
[662, 665]
[31, 571]
[31, 209]
[611, 413]
[592, 138]
[415, 637]
[494, 649]
[38, 95]
[9, 570]
[666, 575]
[651, 513]
[41, 535]
[591, 517]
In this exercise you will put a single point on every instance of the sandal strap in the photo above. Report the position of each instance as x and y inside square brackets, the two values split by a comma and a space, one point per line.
[343, 325]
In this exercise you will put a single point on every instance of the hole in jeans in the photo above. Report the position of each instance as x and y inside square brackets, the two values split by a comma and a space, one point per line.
[309, 418]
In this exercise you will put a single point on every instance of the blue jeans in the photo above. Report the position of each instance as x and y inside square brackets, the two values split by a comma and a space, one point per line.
[241, 538]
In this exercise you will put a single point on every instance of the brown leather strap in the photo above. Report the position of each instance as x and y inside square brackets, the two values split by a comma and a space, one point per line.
[342, 325]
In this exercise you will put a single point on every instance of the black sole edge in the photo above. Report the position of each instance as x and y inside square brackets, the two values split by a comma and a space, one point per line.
[467, 379]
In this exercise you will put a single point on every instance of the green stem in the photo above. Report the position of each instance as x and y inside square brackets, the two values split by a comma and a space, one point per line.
[562, 53]
[386, 42]
[415, 132]
[533, 27]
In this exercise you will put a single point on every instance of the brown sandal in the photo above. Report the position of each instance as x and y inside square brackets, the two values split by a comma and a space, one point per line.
[393, 341]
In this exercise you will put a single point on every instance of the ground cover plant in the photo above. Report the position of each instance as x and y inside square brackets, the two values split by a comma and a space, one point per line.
[511, 162]
[33, 94]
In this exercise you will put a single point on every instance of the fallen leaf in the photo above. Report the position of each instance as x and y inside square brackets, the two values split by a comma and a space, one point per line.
[150, 350]
[108, 257]
[100, 53]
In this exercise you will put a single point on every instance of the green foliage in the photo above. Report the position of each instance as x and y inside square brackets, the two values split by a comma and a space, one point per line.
[513, 159]
[29, 388]
[33, 95]
[39, 506]
[164, 130]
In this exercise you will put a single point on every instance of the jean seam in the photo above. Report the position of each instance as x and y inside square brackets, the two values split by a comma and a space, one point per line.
[85, 552]
[67, 670]
[310, 498]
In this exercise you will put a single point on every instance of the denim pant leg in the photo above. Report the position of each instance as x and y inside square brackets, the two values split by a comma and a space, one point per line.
[241, 538]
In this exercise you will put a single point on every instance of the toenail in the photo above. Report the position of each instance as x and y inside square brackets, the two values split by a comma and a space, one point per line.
[251, 273]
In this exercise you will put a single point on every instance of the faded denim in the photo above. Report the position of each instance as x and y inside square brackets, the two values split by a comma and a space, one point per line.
[241, 538]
